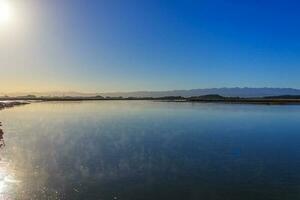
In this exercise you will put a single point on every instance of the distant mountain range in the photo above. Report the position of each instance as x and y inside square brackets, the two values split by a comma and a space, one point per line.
[228, 92]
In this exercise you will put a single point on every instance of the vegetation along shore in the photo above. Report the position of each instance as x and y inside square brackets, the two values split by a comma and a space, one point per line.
[213, 98]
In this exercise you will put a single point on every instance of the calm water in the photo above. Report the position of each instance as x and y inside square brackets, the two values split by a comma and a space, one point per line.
[140, 150]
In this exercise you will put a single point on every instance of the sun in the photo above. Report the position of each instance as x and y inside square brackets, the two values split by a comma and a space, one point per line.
[6, 12]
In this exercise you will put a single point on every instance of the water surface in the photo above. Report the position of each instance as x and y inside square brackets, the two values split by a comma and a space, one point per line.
[144, 150]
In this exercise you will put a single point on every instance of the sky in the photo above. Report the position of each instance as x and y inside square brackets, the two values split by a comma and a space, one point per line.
[129, 45]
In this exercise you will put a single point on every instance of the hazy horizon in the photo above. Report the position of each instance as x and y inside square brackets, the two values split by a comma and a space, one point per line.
[142, 90]
[225, 91]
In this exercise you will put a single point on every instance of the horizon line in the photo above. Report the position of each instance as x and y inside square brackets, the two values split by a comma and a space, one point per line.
[134, 91]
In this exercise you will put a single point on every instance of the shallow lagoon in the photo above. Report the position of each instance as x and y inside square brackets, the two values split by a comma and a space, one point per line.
[136, 150]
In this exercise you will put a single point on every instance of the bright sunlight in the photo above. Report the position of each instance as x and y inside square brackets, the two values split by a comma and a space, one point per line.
[6, 12]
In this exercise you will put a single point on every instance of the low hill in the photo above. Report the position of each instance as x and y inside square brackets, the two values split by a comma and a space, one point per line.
[226, 92]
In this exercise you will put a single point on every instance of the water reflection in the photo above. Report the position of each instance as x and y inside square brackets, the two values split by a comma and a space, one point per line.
[133, 151]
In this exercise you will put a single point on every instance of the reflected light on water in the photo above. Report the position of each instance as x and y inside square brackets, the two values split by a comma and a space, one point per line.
[150, 150]
[8, 181]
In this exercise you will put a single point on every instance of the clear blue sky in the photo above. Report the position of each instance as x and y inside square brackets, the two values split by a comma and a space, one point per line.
[118, 45]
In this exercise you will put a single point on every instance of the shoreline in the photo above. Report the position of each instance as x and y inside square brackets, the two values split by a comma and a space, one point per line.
[4, 105]
[11, 102]
[252, 101]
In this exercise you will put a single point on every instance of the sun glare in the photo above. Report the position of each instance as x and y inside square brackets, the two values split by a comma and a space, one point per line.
[6, 12]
